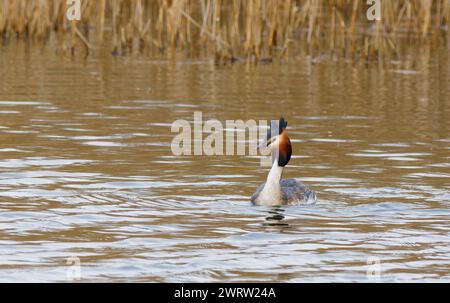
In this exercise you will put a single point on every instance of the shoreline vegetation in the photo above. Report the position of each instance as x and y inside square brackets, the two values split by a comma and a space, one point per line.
[231, 30]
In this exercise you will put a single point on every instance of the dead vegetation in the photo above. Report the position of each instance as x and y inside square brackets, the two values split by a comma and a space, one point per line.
[228, 30]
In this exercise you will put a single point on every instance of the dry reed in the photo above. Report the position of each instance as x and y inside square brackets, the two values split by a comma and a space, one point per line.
[229, 29]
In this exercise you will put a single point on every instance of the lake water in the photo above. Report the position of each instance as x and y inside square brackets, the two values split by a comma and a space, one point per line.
[86, 171]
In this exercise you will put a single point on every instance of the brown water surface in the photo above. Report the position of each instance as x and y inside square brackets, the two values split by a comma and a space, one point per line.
[86, 170]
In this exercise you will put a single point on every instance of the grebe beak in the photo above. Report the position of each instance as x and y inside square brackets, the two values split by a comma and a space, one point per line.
[267, 143]
[271, 140]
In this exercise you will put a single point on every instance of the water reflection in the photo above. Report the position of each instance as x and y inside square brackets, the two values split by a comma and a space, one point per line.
[276, 218]
[86, 170]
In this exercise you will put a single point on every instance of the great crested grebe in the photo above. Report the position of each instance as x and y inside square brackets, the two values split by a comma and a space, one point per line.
[276, 191]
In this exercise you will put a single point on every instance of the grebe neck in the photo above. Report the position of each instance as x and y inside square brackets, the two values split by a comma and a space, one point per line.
[271, 193]
[275, 173]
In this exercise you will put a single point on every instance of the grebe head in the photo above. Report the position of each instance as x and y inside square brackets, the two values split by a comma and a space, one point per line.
[279, 142]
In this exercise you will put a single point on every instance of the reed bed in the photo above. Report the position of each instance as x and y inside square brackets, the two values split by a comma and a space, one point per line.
[229, 30]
